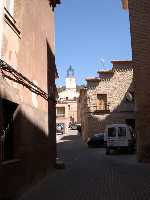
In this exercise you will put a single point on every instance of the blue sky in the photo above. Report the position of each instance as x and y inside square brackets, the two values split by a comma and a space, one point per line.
[88, 32]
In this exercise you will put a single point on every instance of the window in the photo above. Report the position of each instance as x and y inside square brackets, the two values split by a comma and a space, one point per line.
[101, 103]
[69, 107]
[10, 6]
[111, 132]
[8, 108]
[60, 111]
[121, 131]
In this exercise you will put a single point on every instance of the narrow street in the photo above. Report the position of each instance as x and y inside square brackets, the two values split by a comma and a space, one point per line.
[91, 175]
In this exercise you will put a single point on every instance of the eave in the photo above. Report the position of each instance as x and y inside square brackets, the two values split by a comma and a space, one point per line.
[125, 4]
[122, 62]
[105, 72]
[53, 3]
[95, 79]
[122, 65]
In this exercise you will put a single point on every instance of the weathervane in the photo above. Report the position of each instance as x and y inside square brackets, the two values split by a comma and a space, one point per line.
[102, 61]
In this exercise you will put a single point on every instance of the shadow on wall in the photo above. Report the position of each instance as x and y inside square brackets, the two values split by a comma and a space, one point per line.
[32, 152]
[51, 87]
[32, 138]
[96, 122]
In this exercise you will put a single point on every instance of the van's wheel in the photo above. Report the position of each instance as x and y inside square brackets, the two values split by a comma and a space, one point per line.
[107, 151]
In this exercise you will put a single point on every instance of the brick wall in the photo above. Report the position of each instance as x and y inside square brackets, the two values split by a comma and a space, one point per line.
[140, 36]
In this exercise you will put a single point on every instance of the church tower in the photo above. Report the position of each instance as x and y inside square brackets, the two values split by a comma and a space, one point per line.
[70, 79]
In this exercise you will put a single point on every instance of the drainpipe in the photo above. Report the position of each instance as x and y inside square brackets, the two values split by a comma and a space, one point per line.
[1, 24]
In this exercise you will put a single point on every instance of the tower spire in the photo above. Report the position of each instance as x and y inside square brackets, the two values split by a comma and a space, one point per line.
[70, 71]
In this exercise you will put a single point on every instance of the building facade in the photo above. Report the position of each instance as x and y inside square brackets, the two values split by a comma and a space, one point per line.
[139, 13]
[27, 93]
[108, 99]
[66, 108]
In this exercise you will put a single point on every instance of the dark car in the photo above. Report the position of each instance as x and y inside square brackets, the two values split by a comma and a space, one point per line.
[79, 128]
[96, 140]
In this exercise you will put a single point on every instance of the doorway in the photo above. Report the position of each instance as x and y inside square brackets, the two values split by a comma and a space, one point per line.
[7, 112]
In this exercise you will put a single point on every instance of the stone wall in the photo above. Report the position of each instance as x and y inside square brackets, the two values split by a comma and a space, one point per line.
[118, 108]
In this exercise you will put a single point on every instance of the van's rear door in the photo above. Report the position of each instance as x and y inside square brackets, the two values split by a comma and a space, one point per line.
[122, 139]
[111, 136]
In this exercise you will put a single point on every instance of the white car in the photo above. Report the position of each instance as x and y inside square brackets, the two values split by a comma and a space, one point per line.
[119, 136]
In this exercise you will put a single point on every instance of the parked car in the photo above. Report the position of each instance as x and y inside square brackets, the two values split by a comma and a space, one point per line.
[96, 140]
[73, 127]
[70, 123]
[79, 128]
[119, 136]
[60, 128]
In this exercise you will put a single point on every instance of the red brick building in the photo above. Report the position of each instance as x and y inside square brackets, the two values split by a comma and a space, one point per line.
[27, 93]
[139, 12]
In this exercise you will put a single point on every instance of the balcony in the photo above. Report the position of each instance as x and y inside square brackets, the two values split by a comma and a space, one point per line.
[97, 110]
[60, 115]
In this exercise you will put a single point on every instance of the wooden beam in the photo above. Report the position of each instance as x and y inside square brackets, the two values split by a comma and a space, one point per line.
[125, 4]
[53, 3]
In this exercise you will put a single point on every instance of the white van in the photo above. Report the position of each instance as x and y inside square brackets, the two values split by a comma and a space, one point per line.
[119, 136]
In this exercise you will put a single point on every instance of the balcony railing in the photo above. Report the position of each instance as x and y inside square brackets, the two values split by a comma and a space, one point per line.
[60, 115]
[100, 110]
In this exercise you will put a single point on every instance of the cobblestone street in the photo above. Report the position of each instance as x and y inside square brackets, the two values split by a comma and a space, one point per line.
[91, 175]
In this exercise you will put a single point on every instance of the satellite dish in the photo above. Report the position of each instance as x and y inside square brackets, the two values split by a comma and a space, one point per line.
[129, 96]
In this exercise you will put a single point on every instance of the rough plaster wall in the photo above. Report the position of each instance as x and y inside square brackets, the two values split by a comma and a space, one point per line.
[1, 24]
[28, 53]
[34, 144]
